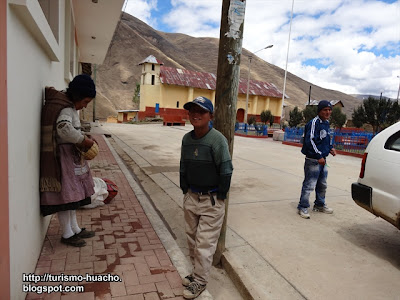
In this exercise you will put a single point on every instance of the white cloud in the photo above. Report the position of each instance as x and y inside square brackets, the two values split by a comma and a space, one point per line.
[351, 70]
[142, 10]
[197, 22]
[356, 40]
[194, 17]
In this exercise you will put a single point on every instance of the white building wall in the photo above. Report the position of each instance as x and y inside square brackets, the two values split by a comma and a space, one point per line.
[29, 71]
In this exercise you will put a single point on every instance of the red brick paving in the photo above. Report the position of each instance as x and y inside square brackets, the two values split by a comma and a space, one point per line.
[125, 245]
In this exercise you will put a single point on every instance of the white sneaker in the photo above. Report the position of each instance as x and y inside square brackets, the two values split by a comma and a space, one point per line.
[303, 212]
[193, 290]
[187, 280]
[324, 209]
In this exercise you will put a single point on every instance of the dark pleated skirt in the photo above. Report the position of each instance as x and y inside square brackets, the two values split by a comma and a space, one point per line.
[51, 209]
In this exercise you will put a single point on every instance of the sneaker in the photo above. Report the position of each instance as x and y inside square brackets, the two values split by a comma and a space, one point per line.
[193, 290]
[73, 241]
[325, 209]
[85, 234]
[187, 280]
[303, 212]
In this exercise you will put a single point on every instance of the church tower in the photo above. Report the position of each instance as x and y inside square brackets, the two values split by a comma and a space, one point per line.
[150, 87]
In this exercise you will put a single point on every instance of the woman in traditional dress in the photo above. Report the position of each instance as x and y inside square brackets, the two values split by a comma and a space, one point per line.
[65, 179]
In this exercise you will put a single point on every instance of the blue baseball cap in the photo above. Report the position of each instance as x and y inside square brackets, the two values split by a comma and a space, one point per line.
[201, 101]
[322, 104]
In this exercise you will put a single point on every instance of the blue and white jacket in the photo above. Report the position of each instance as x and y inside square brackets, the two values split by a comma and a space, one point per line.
[317, 141]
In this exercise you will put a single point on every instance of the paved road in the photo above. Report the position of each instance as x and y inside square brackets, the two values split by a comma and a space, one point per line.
[278, 255]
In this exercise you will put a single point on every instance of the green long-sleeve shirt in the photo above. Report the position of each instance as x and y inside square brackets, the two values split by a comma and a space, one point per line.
[206, 163]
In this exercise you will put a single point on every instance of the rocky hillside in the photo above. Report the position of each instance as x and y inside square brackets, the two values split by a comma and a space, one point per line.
[134, 40]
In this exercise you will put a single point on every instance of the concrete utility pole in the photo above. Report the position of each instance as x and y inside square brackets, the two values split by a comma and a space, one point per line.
[230, 49]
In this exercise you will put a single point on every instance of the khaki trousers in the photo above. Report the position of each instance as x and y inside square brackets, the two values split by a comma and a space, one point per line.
[203, 223]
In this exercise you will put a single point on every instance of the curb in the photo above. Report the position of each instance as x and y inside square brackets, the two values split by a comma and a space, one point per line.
[256, 278]
[229, 267]
[252, 136]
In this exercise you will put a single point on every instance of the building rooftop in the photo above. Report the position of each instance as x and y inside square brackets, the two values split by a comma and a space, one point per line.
[151, 59]
[207, 81]
[333, 102]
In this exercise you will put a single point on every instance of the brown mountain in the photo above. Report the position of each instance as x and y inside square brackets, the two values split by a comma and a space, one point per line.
[134, 40]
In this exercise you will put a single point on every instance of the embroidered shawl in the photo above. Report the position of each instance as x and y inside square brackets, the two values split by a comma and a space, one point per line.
[50, 175]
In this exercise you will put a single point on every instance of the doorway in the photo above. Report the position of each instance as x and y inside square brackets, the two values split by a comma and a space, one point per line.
[240, 115]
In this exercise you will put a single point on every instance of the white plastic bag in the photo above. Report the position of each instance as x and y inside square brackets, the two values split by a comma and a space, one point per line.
[100, 193]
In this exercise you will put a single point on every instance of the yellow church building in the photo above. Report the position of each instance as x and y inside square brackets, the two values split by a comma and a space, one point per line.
[164, 91]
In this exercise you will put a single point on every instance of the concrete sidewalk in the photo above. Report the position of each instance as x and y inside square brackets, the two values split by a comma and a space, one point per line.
[272, 253]
[126, 244]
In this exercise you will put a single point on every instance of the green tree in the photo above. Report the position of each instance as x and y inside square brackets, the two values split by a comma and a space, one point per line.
[271, 120]
[394, 114]
[251, 120]
[337, 117]
[309, 113]
[358, 116]
[295, 117]
[136, 95]
[379, 113]
[265, 116]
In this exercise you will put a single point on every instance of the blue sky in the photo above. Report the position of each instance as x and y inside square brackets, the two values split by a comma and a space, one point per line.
[348, 45]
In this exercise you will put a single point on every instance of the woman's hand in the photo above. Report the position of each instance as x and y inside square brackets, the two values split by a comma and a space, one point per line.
[86, 144]
[92, 138]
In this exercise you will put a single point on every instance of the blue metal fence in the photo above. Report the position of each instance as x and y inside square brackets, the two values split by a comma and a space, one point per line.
[294, 135]
[355, 142]
[253, 129]
[348, 141]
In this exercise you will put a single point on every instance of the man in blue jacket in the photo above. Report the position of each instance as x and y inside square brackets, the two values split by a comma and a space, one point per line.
[316, 147]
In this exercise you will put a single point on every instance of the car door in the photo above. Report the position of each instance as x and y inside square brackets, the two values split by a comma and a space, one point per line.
[383, 165]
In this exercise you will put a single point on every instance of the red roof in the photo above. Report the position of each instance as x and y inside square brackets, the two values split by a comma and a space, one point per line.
[260, 88]
[207, 81]
[181, 77]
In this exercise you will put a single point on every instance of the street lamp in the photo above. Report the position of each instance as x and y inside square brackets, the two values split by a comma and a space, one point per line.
[248, 82]
[398, 92]
[287, 58]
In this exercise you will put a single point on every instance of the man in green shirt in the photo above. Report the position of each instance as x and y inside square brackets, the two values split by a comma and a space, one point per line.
[205, 177]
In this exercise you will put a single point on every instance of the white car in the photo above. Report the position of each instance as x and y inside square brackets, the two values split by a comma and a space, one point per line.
[378, 186]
